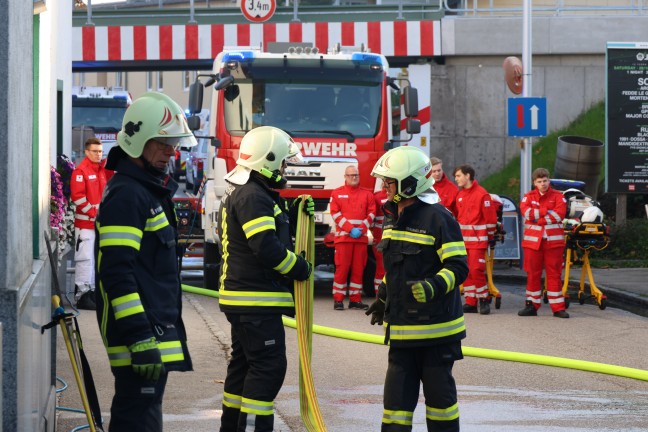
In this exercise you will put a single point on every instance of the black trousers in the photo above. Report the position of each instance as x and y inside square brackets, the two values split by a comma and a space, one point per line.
[255, 374]
[407, 369]
[137, 404]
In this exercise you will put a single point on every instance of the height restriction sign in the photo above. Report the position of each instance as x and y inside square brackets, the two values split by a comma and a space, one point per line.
[258, 10]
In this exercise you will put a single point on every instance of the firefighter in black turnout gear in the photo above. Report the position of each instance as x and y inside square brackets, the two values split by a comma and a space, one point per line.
[256, 276]
[419, 300]
[139, 300]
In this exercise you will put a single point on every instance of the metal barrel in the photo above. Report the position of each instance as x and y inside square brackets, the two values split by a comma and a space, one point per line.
[579, 158]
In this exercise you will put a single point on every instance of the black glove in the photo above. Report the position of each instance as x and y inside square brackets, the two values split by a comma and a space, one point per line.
[377, 311]
[310, 266]
[146, 359]
[309, 204]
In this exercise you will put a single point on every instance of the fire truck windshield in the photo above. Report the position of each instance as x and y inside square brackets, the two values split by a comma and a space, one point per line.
[350, 108]
[100, 117]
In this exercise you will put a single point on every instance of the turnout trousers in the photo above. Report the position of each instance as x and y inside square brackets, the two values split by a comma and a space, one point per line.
[551, 260]
[407, 368]
[137, 404]
[255, 373]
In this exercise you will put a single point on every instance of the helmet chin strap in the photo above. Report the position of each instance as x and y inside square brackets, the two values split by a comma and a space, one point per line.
[275, 179]
[149, 168]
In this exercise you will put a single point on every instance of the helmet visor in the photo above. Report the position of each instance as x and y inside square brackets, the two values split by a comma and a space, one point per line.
[294, 155]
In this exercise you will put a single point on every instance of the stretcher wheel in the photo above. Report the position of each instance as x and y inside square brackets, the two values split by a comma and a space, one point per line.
[545, 297]
[603, 304]
[498, 302]
[581, 298]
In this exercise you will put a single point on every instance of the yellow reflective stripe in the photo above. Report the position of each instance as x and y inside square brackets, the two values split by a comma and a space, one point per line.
[442, 414]
[387, 233]
[255, 298]
[171, 351]
[118, 235]
[127, 305]
[277, 210]
[427, 331]
[397, 417]
[257, 225]
[411, 237]
[231, 400]
[118, 356]
[451, 249]
[449, 278]
[257, 407]
[287, 264]
[157, 222]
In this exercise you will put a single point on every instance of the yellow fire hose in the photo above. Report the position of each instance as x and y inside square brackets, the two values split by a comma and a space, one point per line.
[567, 363]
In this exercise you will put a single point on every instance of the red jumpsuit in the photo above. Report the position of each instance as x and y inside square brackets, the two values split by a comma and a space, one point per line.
[447, 191]
[477, 218]
[87, 184]
[351, 207]
[544, 243]
[376, 231]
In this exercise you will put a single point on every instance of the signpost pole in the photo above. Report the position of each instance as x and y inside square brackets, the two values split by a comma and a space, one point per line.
[527, 143]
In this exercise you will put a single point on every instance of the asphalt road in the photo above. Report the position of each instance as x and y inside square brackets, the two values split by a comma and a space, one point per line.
[493, 395]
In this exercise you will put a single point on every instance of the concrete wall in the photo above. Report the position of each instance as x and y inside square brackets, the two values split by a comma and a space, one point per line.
[28, 392]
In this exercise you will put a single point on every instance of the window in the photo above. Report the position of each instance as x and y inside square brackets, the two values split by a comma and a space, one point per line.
[149, 81]
[160, 82]
[121, 80]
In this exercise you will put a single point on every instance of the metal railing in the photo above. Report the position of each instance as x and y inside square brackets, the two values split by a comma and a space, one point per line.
[474, 8]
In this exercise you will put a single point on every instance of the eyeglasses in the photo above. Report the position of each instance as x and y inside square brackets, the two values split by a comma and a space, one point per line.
[390, 183]
[95, 151]
[351, 175]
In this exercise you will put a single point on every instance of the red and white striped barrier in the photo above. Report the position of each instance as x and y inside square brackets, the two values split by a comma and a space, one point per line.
[192, 42]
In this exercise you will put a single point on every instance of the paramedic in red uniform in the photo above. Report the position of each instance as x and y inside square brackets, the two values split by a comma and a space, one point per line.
[543, 242]
[86, 188]
[353, 210]
[477, 218]
[443, 186]
[376, 230]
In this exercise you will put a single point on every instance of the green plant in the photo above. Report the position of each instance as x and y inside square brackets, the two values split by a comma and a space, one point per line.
[627, 242]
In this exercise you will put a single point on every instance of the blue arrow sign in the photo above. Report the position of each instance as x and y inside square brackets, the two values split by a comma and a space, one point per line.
[527, 117]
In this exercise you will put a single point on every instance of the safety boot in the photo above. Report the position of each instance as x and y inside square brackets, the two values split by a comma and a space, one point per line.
[484, 307]
[87, 301]
[358, 305]
[528, 310]
[469, 308]
[338, 305]
[561, 314]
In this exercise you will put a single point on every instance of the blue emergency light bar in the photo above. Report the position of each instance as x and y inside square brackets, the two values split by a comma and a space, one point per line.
[239, 56]
[368, 59]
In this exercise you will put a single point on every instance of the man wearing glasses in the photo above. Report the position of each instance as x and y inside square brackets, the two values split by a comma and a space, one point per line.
[87, 184]
[353, 210]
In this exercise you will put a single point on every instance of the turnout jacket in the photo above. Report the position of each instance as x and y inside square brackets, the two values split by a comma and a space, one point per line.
[258, 262]
[87, 184]
[543, 216]
[423, 243]
[139, 293]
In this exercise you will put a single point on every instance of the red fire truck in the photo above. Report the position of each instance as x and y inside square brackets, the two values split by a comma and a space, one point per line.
[337, 106]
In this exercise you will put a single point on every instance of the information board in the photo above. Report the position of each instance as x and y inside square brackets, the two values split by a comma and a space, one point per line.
[626, 152]
[510, 249]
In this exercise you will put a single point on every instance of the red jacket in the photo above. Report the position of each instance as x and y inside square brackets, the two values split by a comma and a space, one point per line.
[352, 207]
[87, 184]
[476, 216]
[376, 230]
[447, 191]
[543, 216]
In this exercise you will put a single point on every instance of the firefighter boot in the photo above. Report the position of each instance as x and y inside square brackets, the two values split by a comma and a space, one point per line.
[338, 305]
[469, 308]
[358, 305]
[561, 314]
[484, 306]
[529, 310]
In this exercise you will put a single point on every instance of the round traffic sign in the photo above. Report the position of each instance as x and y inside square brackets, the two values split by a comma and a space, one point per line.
[258, 10]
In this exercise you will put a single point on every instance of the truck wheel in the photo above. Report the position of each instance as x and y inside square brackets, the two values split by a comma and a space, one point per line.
[211, 266]
[368, 275]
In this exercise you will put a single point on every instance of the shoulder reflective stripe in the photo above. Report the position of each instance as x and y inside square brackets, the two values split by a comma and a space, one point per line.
[171, 351]
[118, 235]
[397, 417]
[442, 414]
[255, 298]
[118, 356]
[231, 400]
[157, 222]
[127, 305]
[429, 331]
[451, 249]
[411, 237]
[257, 407]
[257, 225]
[277, 210]
[449, 278]
[287, 264]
